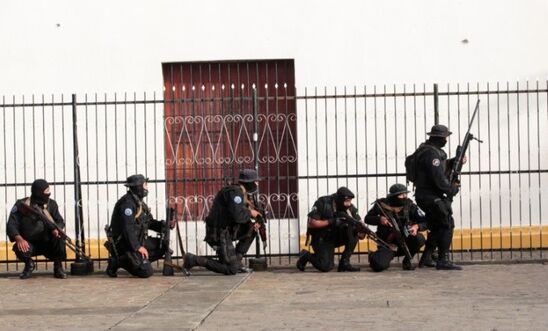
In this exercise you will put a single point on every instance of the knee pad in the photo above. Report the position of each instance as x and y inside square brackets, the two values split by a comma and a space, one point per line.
[380, 260]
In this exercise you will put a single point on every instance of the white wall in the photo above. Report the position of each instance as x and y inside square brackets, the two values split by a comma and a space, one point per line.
[105, 46]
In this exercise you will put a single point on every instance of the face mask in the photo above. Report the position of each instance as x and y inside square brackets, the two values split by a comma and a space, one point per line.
[37, 192]
[250, 187]
[339, 202]
[139, 191]
[396, 202]
[40, 199]
[438, 141]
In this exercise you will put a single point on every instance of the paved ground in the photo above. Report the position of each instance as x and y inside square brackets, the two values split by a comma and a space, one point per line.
[483, 297]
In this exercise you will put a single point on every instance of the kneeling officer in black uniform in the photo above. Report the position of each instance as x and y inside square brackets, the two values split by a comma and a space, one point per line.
[410, 220]
[33, 236]
[328, 232]
[230, 219]
[129, 246]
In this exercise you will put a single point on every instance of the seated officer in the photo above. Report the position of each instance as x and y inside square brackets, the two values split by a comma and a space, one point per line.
[328, 232]
[230, 219]
[131, 248]
[34, 235]
[410, 221]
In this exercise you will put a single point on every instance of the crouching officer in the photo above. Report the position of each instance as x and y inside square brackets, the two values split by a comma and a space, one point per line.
[434, 194]
[328, 232]
[129, 246]
[230, 219]
[410, 220]
[32, 235]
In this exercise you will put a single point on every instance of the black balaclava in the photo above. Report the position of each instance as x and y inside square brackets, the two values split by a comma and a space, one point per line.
[250, 187]
[37, 192]
[343, 193]
[139, 191]
[438, 141]
[396, 202]
[339, 201]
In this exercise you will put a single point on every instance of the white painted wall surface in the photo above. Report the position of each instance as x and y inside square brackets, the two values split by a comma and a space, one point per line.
[105, 46]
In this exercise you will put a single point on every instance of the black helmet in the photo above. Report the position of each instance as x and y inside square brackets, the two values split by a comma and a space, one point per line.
[248, 176]
[439, 130]
[136, 180]
[396, 190]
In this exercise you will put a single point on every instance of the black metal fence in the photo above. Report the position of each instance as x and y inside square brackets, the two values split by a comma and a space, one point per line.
[305, 142]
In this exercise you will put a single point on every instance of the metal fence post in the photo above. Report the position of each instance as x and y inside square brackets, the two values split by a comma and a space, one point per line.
[436, 106]
[80, 266]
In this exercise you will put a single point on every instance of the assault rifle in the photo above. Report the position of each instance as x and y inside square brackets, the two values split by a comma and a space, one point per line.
[168, 265]
[261, 219]
[454, 174]
[362, 228]
[400, 236]
[50, 224]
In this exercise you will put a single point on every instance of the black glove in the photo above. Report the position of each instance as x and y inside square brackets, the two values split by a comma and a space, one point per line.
[335, 222]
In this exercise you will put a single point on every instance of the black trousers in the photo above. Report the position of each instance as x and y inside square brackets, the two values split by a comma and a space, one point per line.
[52, 249]
[439, 215]
[380, 259]
[134, 263]
[323, 257]
[229, 257]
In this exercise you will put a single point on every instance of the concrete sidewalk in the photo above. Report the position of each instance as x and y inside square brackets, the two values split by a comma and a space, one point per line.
[482, 297]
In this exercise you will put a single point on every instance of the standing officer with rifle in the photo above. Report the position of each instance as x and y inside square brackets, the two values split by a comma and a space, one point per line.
[398, 221]
[434, 194]
[128, 243]
[35, 236]
[328, 228]
[231, 219]
[437, 181]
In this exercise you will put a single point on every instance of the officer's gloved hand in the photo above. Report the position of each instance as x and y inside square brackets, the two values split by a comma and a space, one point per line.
[335, 222]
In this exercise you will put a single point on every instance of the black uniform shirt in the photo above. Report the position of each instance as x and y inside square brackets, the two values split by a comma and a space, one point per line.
[432, 178]
[414, 214]
[18, 223]
[324, 209]
[230, 207]
[132, 231]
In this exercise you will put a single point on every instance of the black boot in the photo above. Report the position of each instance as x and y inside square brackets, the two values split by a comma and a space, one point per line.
[58, 271]
[27, 271]
[242, 269]
[345, 266]
[444, 263]
[191, 261]
[303, 259]
[406, 264]
[112, 267]
[426, 259]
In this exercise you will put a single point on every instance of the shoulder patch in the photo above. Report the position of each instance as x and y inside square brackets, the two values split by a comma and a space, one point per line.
[128, 212]
[14, 209]
[237, 199]
[436, 162]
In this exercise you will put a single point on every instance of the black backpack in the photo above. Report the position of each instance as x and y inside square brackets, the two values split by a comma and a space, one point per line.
[411, 162]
